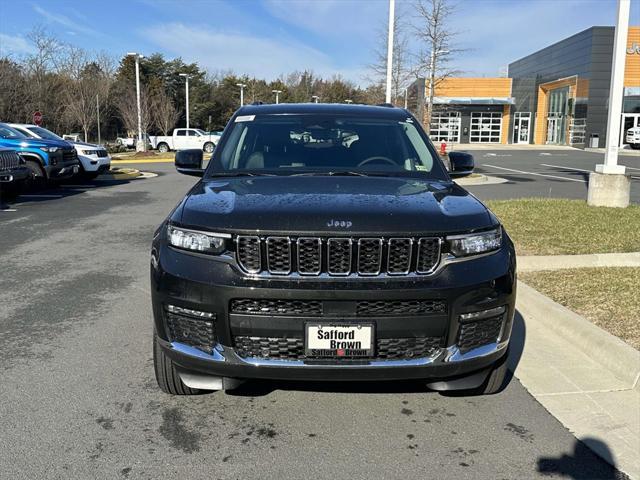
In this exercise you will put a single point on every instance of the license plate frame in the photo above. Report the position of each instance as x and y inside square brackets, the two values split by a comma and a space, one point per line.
[362, 332]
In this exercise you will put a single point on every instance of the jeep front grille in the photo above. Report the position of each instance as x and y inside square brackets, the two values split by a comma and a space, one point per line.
[9, 159]
[335, 256]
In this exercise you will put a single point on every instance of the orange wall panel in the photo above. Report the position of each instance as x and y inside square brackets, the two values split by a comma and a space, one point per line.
[474, 87]
[632, 61]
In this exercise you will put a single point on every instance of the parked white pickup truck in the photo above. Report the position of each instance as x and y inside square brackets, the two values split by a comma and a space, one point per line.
[185, 138]
[633, 137]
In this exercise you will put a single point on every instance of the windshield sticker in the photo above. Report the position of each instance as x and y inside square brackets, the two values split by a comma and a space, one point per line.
[421, 168]
[245, 118]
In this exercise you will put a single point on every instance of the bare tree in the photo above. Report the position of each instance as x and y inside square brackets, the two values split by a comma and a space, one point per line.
[164, 114]
[87, 87]
[437, 47]
[126, 105]
[401, 68]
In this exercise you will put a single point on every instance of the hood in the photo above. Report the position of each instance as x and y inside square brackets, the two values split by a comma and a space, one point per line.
[35, 143]
[336, 205]
[89, 145]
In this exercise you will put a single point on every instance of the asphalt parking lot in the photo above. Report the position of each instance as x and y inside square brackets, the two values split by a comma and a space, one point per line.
[544, 173]
[79, 398]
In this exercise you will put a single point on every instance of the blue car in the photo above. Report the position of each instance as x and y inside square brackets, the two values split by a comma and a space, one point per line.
[48, 160]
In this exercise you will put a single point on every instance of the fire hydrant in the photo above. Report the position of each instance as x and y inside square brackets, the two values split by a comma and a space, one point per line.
[443, 148]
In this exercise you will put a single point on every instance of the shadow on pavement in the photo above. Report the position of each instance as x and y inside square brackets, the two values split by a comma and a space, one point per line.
[581, 465]
[65, 188]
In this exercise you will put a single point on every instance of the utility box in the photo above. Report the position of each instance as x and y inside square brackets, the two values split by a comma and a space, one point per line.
[594, 140]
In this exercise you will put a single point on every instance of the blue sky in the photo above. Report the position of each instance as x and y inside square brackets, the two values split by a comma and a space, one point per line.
[270, 37]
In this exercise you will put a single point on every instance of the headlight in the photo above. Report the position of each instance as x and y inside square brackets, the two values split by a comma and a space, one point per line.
[197, 241]
[474, 243]
[89, 152]
[49, 149]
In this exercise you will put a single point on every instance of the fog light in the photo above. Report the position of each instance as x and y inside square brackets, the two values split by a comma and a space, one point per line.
[473, 316]
[187, 311]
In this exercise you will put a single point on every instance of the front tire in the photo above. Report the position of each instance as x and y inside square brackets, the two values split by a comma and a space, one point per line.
[495, 379]
[208, 147]
[635, 146]
[166, 374]
[38, 177]
[163, 148]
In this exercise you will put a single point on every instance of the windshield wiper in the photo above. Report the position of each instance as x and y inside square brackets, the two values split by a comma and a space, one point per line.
[242, 174]
[342, 173]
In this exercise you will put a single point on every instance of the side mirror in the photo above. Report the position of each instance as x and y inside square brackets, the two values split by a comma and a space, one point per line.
[461, 164]
[189, 162]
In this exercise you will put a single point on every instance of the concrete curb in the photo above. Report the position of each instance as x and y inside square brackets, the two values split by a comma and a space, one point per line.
[534, 263]
[479, 179]
[621, 359]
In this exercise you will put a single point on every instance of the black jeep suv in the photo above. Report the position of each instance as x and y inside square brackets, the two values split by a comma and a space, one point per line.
[328, 242]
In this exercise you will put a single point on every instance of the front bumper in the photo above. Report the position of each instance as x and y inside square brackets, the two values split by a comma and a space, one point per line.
[210, 284]
[93, 163]
[13, 176]
[61, 171]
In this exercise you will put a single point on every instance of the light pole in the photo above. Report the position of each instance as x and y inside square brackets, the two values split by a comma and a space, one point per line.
[406, 94]
[98, 115]
[432, 83]
[277, 92]
[392, 5]
[608, 185]
[315, 98]
[241, 85]
[141, 145]
[186, 87]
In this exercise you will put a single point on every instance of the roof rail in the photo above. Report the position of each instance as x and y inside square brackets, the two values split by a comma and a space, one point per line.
[388, 105]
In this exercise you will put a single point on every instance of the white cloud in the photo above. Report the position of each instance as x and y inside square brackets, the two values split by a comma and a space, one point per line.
[331, 18]
[15, 45]
[64, 21]
[262, 57]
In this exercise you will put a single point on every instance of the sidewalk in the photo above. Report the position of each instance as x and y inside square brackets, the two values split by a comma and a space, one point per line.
[534, 263]
[585, 377]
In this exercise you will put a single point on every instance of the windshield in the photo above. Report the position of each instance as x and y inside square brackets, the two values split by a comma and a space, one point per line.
[10, 133]
[326, 144]
[44, 133]
[201, 132]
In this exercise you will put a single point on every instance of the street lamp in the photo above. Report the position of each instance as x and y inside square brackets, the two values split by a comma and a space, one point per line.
[186, 87]
[141, 145]
[432, 82]
[392, 17]
[315, 98]
[241, 85]
[277, 92]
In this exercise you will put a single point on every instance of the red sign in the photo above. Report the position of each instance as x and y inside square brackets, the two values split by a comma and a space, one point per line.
[37, 118]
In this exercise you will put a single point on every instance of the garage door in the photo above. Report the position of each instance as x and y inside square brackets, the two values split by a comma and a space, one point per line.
[486, 127]
[445, 127]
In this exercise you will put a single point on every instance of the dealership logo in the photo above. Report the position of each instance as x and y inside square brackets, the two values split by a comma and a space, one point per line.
[634, 48]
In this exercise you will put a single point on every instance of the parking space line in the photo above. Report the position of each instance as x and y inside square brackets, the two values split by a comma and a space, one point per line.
[522, 172]
[581, 169]
[8, 210]
[566, 168]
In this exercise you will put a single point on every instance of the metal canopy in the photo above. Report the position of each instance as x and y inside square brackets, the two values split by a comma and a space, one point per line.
[474, 100]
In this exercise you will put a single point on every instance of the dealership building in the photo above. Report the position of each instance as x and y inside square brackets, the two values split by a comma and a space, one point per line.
[558, 95]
